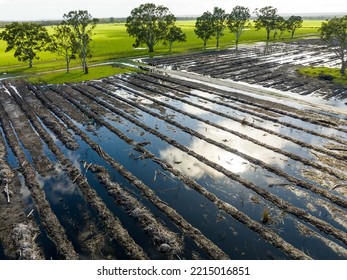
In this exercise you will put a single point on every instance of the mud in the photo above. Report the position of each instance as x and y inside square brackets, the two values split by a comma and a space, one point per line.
[167, 242]
[48, 218]
[12, 215]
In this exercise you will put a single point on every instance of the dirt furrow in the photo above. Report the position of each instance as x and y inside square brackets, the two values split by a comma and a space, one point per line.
[166, 241]
[47, 118]
[54, 229]
[111, 222]
[12, 215]
[323, 226]
[318, 190]
[295, 157]
[248, 123]
[26, 133]
[181, 223]
[311, 117]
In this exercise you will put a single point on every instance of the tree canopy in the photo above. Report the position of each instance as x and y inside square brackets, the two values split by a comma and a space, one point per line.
[175, 34]
[204, 27]
[266, 18]
[149, 24]
[237, 21]
[293, 23]
[82, 25]
[26, 39]
[280, 26]
[218, 22]
[64, 43]
[334, 34]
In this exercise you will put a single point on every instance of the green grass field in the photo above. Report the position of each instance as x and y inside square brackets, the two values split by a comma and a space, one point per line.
[112, 43]
[318, 71]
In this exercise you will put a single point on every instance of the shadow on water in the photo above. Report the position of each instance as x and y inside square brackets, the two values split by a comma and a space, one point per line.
[2, 253]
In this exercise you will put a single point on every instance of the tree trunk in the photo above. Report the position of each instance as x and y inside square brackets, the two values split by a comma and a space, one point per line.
[293, 31]
[268, 34]
[30, 63]
[84, 65]
[237, 43]
[150, 48]
[170, 46]
[217, 46]
[67, 65]
[343, 67]
[205, 42]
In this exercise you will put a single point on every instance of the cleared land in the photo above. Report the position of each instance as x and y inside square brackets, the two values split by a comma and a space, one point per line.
[168, 164]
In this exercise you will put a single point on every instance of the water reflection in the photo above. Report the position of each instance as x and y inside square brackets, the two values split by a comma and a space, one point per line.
[57, 187]
[227, 160]
[188, 165]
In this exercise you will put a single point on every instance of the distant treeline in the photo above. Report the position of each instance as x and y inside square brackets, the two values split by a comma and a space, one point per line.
[123, 20]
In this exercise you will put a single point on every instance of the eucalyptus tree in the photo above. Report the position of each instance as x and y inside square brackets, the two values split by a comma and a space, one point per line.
[82, 25]
[218, 22]
[26, 39]
[238, 21]
[149, 24]
[64, 43]
[175, 34]
[280, 26]
[334, 34]
[294, 23]
[204, 28]
[266, 18]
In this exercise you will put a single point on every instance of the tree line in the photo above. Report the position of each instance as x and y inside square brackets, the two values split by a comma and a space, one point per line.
[150, 24]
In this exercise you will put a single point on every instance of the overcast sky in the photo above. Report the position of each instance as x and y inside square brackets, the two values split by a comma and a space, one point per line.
[54, 9]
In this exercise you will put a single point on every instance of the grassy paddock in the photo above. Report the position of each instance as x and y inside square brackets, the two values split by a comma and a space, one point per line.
[111, 42]
[77, 75]
[318, 71]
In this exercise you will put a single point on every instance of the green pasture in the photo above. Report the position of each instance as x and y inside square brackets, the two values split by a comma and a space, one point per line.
[76, 75]
[112, 43]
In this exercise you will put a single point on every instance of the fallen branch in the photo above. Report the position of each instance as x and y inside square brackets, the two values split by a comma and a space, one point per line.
[79, 174]
[88, 166]
[7, 191]
[162, 173]
[32, 211]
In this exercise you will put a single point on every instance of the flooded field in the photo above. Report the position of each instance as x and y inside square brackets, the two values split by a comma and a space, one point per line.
[272, 66]
[157, 166]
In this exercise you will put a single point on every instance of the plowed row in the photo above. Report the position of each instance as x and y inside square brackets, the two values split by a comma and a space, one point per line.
[148, 166]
